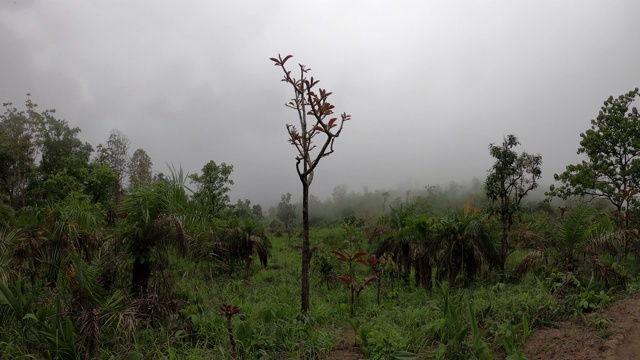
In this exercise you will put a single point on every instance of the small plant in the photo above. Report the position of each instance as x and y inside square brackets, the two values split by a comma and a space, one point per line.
[382, 343]
[512, 338]
[352, 283]
[228, 311]
[373, 262]
[325, 266]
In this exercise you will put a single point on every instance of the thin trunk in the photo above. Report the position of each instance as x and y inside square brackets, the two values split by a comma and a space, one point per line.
[141, 271]
[406, 262]
[306, 256]
[232, 340]
[504, 243]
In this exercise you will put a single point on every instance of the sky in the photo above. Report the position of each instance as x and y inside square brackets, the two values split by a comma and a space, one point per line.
[429, 84]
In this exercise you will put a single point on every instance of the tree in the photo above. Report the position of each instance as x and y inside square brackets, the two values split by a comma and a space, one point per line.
[256, 210]
[312, 108]
[612, 168]
[115, 154]
[61, 143]
[140, 167]
[510, 178]
[213, 189]
[21, 135]
[285, 212]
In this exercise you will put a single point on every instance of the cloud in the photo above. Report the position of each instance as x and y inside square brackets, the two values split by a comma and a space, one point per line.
[429, 84]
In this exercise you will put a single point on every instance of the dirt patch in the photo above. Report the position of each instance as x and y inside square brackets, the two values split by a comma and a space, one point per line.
[592, 339]
[346, 350]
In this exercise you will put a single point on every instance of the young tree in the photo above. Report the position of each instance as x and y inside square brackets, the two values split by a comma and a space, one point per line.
[140, 167]
[21, 133]
[115, 154]
[612, 168]
[256, 210]
[312, 108]
[285, 212]
[213, 186]
[510, 178]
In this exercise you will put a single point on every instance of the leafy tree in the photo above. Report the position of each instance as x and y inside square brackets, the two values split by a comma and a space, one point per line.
[213, 186]
[61, 148]
[140, 168]
[256, 210]
[21, 135]
[510, 178]
[385, 197]
[286, 212]
[65, 166]
[314, 107]
[612, 168]
[242, 208]
[115, 154]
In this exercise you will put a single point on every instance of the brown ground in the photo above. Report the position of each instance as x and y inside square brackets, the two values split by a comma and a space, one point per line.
[582, 340]
[345, 350]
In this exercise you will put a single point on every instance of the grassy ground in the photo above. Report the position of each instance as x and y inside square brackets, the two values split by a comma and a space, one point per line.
[485, 318]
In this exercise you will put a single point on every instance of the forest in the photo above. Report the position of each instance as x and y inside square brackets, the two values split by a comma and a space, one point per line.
[102, 257]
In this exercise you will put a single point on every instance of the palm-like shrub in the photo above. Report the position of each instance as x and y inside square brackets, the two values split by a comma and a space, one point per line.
[152, 223]
[467, 243]
[580, 231]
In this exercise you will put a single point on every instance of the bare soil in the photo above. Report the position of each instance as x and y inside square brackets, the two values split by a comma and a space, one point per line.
[346, 349]
[592, 339]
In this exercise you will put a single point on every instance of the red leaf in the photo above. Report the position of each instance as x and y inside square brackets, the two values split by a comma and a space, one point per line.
[369, 279]
[345, 280]
[362, 261]
[286, 58]
[319, 128]
[274, 59]
[359, 254]
[333, 120]
[373, 261]
[341, 256]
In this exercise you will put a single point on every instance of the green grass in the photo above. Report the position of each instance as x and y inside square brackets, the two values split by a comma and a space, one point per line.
[483, 316]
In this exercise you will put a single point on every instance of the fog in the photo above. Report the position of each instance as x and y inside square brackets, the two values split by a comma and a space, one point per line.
[429, 84]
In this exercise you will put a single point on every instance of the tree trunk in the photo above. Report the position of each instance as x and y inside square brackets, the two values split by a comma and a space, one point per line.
[406, 262]
[306, 256]
[504, 243]
[141, 271]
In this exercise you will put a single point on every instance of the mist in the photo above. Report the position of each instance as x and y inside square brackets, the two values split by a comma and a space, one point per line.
[429, 85]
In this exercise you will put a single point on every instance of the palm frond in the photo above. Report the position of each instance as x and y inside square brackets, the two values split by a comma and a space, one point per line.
[531, 261]
[90, 331]
[169, 229]
[605, 272]
[613, 241]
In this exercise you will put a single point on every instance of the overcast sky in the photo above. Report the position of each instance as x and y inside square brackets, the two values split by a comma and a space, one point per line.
[429, 84]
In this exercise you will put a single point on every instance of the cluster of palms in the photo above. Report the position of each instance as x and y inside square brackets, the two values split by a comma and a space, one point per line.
[464, 244]
[68, 280]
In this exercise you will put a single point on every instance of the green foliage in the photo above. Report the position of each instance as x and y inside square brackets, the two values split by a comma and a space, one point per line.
[285, 212]
[382, 343]
[140, 168]
[456, 331]
[612, 149]
[510, 179]
[212, 187]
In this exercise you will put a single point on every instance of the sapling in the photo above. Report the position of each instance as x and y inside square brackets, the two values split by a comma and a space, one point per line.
[228, 311]
[352, 283]
[373, 263]
[316, 127]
